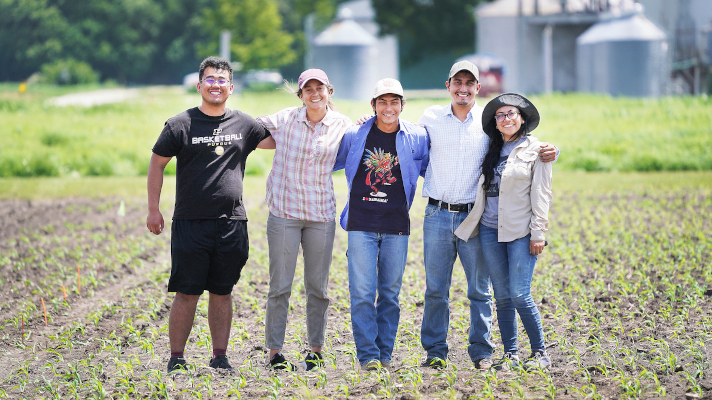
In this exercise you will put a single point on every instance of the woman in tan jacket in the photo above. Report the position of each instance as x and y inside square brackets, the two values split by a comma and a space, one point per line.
[511, 215]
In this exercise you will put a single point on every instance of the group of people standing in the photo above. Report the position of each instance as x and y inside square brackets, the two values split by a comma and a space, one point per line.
[488, 184]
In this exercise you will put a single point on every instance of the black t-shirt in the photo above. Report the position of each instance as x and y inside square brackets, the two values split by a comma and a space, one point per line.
[378, 202]
[211, 154]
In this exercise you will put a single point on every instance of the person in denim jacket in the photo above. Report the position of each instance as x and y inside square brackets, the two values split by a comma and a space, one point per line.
[383, 158]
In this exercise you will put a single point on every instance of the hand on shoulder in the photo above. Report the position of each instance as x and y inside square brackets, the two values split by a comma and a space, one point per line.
[547, 152]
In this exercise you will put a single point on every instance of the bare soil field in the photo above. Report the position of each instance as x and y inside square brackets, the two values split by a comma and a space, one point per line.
[624, 289]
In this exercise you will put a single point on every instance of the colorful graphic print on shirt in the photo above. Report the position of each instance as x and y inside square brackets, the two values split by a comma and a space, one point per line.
[379, 171]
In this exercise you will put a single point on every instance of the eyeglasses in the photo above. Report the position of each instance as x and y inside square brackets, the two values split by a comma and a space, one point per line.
[501, 117]
[212, 81]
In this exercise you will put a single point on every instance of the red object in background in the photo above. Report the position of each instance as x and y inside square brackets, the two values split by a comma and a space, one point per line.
[491, 83]
[492, 72]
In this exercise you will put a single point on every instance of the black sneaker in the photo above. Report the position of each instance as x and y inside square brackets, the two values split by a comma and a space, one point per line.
[220, 362]
[508, 361]
[483, 363]
[177, 365]
[434, 362]
[279, 362]
[313, 360]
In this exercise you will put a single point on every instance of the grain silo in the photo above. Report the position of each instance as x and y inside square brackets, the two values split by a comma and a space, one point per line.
[348, 54]
[625, 57]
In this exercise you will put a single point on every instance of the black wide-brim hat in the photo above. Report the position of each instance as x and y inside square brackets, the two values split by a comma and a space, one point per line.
[527, 109]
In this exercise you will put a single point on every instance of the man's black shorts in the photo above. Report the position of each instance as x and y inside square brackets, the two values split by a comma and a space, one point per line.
[207, 254]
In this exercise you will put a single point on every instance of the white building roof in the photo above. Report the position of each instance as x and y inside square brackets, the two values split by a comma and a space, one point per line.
[504, 8]
[633, 28]
[345, 33]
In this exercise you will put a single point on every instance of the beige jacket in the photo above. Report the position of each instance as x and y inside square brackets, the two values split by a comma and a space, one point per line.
[524, 197]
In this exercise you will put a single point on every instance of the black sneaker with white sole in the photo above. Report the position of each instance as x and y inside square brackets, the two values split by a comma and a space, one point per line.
[508, 361]
[312, 361]
[177, 365]
[279, 362]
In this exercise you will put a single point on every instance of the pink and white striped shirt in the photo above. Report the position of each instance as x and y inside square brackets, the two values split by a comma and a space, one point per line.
[300, 185]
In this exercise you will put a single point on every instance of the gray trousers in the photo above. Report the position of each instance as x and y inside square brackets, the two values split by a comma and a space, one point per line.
[284, 237]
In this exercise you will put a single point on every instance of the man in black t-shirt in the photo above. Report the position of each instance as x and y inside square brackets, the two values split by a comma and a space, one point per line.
[209, 243]
[383, 159]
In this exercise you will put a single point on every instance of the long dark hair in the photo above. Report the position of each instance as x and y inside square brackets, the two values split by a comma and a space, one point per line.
[495, 147]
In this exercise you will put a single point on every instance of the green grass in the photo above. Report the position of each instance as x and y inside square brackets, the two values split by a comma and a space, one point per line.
[594, 133]
[9, 90]
[600, 133]
[90, 187]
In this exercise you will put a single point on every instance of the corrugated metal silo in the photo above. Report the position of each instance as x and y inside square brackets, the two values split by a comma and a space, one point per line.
[623, 57]
[348, 54]
[363, 13]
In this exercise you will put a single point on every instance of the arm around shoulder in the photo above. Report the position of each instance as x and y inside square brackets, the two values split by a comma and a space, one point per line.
[429, 115]
[548, 152]
[274, 122]
[345, 147]
[267, 143]
[422, 147]
[541, 198]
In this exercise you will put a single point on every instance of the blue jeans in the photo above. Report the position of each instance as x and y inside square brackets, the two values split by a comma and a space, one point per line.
[441, 249]
[376, 265]
[511, 266]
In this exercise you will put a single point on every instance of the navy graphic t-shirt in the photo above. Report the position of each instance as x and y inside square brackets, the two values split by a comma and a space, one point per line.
[211, 154]
[490, 216]
[378, 202]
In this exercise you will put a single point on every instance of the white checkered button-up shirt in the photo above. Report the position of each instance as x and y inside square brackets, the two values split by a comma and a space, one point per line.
[300, 185]
[457, 150]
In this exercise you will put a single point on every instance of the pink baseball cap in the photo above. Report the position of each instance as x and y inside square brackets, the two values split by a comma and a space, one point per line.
[313, 73]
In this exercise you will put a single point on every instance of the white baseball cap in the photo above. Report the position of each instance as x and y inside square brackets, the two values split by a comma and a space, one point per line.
[388, 86]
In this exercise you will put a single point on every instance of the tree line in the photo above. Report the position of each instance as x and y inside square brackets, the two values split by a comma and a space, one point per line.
[159, 41]
[149, 41]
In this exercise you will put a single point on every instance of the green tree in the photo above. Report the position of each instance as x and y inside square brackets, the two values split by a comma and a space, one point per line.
[293, 14]
[30, 34]
[68, 72]
[428, 25]
[178, 40]
[149, 41]
[116, 37]
[323, 10]
[258, 40]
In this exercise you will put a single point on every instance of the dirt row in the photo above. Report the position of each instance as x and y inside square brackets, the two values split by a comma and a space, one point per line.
[122, 320]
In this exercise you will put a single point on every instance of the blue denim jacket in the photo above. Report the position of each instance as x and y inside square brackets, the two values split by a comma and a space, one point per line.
[412, 147]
